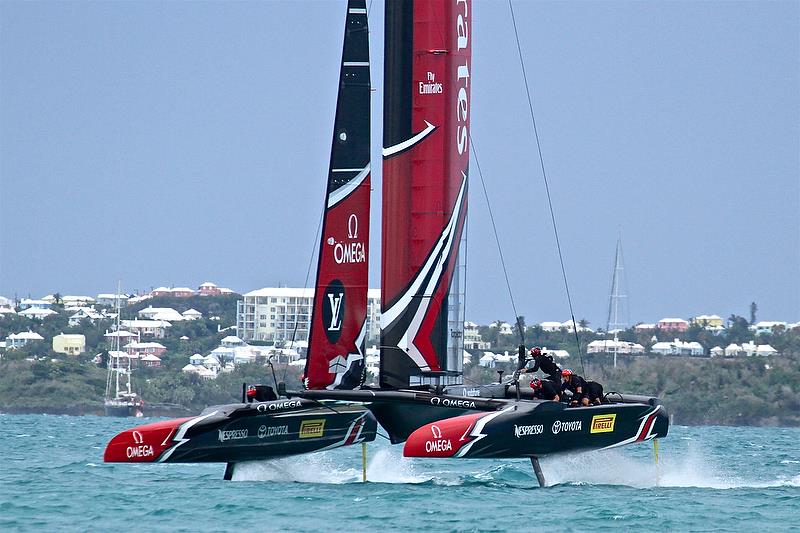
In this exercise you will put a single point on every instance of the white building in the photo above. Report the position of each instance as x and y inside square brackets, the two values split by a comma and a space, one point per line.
[570, 325]
[551, 326]
[198, 368]
[37, 312]
[150, 360]
[160, 313]
[77, 301]
[490, 360]
[147, 328]
[612, 346]
[750, 349]
[473, 339]
[274, 313]
[733, 350]
[503, 328]
[111, 299]
[27, 303]
[677, 347]
[192, 314]
[18, 340]
[84, 313]
[124, 336]
[716, 351]
[765, 327]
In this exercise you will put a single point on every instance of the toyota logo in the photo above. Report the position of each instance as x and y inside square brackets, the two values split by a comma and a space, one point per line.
[138, 438]
[437, 433]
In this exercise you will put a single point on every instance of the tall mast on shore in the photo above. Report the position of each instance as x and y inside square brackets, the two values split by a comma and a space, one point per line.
[618, 312]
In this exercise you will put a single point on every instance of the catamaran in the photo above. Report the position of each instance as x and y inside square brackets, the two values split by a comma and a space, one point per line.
[421, 398]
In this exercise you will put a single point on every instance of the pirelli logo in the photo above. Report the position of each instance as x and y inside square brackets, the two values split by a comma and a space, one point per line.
[310, 429]
[603, 423]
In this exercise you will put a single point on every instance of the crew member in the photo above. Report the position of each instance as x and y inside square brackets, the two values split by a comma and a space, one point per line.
[594, 391]
[545, 363]
[577, 386]
[545, 390]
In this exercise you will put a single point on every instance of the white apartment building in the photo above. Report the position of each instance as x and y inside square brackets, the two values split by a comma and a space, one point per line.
[473, 339]
[273, 313]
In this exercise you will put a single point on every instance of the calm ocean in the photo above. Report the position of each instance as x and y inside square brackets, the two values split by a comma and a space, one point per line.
[710, 478]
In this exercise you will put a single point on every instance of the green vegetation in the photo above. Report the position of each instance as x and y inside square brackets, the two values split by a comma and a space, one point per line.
[696, 390]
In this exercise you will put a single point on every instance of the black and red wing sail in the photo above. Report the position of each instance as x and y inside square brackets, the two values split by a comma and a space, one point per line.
[338, 325]
[425, 166]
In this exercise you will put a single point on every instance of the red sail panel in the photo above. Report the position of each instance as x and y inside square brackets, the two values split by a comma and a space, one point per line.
[426, 157]
[338, 324]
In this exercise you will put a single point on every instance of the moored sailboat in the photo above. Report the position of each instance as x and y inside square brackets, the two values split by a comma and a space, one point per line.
[120, 399]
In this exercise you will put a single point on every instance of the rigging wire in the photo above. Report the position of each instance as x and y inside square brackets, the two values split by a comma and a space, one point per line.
[497, 240]
[546, 185]
[305, 284]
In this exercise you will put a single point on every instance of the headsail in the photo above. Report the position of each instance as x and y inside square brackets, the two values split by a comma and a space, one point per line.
[426, 157]
[338, 325]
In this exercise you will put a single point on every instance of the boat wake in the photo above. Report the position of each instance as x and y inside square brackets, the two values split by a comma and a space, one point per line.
[325, 467]
[691, 469]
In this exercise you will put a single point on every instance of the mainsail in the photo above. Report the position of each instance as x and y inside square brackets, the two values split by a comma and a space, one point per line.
[338, 325]
[426, 157]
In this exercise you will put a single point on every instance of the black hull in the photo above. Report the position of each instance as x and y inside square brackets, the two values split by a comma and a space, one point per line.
[245, 432]
[497, 418]
[122, 410]
[534, 429]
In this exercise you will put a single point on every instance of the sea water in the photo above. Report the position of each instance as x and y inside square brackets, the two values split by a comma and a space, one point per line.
[52, 477]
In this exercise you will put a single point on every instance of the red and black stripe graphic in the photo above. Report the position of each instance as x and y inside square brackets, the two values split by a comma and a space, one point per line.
[338, 325]
[425, 169]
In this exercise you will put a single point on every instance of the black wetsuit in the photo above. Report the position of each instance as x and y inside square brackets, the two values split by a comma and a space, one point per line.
[594, 391]
[548, 391]
[573, 384]
[546, 364]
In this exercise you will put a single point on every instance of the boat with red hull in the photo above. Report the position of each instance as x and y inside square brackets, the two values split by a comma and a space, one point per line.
[244, 432]
[421, 398]
[270, 427]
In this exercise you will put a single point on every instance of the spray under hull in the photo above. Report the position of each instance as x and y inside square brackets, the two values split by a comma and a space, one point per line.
[245, 432]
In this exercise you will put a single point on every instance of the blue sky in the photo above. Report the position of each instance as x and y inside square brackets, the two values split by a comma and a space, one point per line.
[164, 143]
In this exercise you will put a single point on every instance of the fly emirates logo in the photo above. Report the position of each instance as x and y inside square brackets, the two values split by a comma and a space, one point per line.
[462, 77]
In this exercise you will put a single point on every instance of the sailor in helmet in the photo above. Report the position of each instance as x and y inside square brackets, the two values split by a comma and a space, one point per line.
[544, 389]
[545, 363]
[584, 392]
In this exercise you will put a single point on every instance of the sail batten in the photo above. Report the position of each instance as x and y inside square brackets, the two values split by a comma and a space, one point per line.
[337, 338]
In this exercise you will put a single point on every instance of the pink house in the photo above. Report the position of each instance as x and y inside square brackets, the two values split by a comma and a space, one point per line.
[145, 348]
[673, 324]
[161, 291]
[209, 289]
[182, 292]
